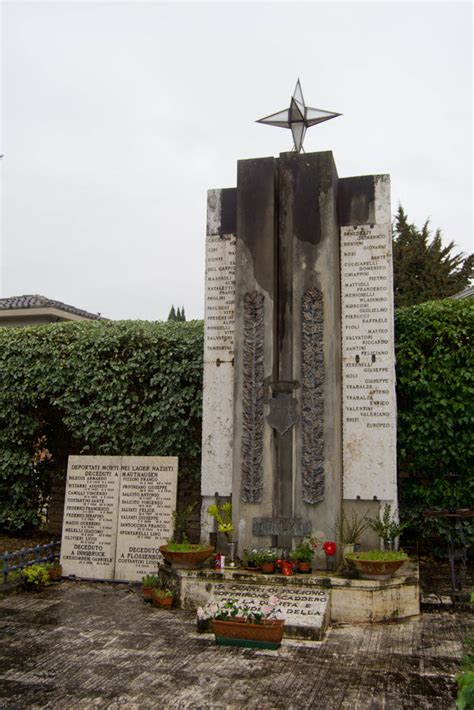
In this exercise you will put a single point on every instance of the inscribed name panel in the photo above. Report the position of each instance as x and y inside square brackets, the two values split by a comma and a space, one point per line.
[368, 363]
[145, 520]
[90, 516]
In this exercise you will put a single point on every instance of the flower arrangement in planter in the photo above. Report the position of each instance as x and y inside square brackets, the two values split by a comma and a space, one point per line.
[252, 560]
[35, 577]
[303, 554]
[376, 564]
[235, 624]
[149, 582]
[267, 560]
[162, 597]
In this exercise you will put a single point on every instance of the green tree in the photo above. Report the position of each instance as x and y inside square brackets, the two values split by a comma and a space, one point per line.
[172, 314]
[424, 270]
[183, 316]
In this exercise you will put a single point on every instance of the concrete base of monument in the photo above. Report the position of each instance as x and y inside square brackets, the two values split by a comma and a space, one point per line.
[339, 598]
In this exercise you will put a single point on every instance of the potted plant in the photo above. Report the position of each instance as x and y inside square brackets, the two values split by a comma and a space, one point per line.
[55, 570]
[387, 527]
[253, 560]
[181, 523]
[350, 530]
[303, 554]
[376, 564]
[267, 560]
[162, 597]
[234, 624]
[185, 555]
[222, 514]
[149, 582]
[179, 552]
[35, 577]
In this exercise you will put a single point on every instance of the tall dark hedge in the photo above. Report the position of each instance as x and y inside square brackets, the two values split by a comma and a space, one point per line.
[435, 394]
[103, 388]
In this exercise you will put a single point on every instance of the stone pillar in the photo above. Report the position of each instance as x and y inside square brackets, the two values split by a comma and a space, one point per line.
[287, 417]
[255, 337]
[309, 193]
[218, 386]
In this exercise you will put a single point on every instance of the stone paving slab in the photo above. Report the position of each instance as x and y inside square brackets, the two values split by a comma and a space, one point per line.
[90, 645]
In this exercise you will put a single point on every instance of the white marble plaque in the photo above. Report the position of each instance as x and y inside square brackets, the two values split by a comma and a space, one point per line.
[147, 501]
[118, 511]
[90, 516]
[368, 363]
[306, 607]
[218, 380]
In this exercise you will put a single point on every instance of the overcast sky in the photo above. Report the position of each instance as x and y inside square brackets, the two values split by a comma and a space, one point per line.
[118, 116]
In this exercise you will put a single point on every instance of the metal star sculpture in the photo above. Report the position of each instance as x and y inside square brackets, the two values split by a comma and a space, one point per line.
[298, 117]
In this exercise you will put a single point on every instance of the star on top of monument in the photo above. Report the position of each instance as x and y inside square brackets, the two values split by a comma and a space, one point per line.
[298, 117]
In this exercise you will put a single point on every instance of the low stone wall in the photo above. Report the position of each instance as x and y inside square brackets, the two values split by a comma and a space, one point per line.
[351, 600]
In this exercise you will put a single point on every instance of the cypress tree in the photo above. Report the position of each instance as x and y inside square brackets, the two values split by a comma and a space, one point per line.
[424, 270]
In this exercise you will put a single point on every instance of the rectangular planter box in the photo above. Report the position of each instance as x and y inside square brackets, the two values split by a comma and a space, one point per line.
[235, 633]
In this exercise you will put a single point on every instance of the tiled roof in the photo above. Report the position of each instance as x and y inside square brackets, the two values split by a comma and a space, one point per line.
[467, 293]
[36, 301]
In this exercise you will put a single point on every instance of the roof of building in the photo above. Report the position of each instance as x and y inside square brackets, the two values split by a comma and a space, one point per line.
[37, 301]
[468, 292]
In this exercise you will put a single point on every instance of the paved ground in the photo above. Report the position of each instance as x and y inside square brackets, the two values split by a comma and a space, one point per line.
[79, 645]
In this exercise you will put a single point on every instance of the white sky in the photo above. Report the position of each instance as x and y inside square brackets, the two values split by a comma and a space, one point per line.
[118, 116]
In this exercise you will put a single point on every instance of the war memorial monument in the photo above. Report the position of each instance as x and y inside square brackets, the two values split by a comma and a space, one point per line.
[299, 411]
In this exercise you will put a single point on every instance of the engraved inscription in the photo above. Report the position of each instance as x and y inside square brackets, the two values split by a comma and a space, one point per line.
[147, 502]
[281, 526]
[90, 517]
[220, 298]
[368, 360]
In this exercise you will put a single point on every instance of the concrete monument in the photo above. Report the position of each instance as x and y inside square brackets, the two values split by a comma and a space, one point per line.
[299, 405]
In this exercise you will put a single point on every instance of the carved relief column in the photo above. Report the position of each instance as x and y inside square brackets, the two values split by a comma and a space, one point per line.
[254, 457]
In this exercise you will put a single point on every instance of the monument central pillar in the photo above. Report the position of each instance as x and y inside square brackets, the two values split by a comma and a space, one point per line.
[287, 469]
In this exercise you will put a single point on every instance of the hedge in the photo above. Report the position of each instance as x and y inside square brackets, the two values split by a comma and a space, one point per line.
[435, 395]
[134, 388]
[92, 387]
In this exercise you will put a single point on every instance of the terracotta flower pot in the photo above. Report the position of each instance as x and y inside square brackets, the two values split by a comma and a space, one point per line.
[147, 593]
[187, 560]
[161, 602]
[55, 573]
[267, 567]
[375, 569]
[304, 567]
[268, 634]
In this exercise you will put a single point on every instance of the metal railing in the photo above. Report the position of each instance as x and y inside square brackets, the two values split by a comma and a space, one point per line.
[28, 556]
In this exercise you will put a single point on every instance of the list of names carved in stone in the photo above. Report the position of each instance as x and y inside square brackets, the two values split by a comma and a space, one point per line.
[219, 298]
[118, 511]
[90, 517]
[367, 360]
[147, 501]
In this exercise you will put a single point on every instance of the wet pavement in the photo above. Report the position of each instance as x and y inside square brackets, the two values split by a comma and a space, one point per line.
[84, 645]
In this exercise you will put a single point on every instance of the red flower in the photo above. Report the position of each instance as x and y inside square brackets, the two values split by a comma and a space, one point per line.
[329, 548]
